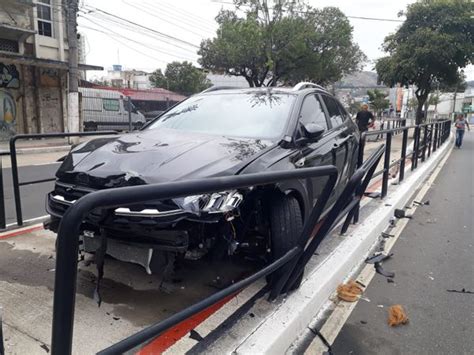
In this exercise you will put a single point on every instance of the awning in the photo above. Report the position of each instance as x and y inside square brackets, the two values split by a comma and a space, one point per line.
[14, 32]
[40, 62]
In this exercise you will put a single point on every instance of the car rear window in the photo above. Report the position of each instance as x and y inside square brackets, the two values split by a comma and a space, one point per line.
[261, 115]
[335, 115]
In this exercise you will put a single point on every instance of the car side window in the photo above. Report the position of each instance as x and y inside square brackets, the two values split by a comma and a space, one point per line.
[333, 109]
[312, 112]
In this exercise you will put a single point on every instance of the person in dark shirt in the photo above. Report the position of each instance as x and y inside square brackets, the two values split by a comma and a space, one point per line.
[364, 118]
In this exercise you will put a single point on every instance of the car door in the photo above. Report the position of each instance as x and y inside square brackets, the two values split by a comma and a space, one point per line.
[313, 154]
[341, 140]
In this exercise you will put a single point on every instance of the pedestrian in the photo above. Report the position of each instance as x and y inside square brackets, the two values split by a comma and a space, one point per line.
[364, 118]
[460, 125]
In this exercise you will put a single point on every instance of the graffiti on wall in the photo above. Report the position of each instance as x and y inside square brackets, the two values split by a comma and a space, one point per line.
[9, 76]
[7, 114]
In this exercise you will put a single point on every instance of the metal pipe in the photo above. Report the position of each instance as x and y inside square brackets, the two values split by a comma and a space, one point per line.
[16, 186]
[436, 138]
[68, 234]
[386, 164]
[403, 156]
[14, 162]
[23, 183]
[3, 222]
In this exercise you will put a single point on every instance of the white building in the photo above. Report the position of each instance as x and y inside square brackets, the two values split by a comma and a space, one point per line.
[128, 78]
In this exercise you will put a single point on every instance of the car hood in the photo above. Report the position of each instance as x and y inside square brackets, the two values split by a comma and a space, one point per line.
[159, 155]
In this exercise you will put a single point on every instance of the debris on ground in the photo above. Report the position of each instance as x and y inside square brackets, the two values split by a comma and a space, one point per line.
[44, 347]
[426, 203]
[461, 291]
[397, 315]
[349, 292]
[195, 335]
[379, 270]
[387, 235]
[377, 258]
[401, 214]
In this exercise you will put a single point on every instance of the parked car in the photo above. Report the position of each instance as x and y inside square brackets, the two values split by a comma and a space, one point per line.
[108, 110]
[214, 133]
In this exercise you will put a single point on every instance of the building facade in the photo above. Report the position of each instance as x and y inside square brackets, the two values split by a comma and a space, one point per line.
[33, 67]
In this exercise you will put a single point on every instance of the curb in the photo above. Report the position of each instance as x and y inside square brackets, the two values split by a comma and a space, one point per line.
[276, 333]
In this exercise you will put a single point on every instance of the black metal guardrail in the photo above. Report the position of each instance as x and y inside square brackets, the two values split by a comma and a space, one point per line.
[14, 167]
[427, 138]
[3, 219]
[293, 261]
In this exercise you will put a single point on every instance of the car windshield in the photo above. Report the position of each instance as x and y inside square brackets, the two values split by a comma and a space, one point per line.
[261, 115]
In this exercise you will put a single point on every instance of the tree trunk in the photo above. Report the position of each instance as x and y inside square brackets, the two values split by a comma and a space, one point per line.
[421, 98]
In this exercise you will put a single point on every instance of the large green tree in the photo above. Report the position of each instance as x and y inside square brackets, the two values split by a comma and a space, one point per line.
[378, 100]
[430, 47]
[288, 42]
[183, 78]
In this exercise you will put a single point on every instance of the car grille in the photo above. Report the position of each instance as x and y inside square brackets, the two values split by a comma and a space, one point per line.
[65, 195]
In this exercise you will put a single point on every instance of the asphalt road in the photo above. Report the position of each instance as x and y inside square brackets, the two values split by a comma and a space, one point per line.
[32, 196]
[434, 254]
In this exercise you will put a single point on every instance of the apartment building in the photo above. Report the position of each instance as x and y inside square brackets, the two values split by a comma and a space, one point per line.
[34, 67]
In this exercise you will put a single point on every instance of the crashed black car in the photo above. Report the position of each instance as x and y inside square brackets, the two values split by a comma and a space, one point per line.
[215, 133]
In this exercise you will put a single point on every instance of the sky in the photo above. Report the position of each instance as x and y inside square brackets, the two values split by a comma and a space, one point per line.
[180, 25]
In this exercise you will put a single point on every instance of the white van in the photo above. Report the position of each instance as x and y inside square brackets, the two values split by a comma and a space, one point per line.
[107, 110]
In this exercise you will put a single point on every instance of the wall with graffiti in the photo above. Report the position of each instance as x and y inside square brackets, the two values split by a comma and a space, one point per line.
[9, 85]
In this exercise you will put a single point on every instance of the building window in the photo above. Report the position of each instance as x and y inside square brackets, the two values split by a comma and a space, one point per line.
[8, 45]
[45, 19]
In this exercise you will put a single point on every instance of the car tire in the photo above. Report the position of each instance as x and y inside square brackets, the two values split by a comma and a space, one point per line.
[90, 127]
[137, 126]
[286, 224]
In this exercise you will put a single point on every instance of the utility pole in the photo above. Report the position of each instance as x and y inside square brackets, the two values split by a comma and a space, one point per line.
[73, 94]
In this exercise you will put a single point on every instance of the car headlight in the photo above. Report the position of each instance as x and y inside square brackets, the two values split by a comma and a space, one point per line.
[218, 202]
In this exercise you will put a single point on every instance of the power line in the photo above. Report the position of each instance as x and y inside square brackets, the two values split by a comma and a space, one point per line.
[204, 23]
[134, 29]
[147, 10]
[144, 27]
[132, 40]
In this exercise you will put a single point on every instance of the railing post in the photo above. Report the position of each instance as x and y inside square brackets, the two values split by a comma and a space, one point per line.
[425, 138]
[360, 158]
[416, 143]
[435, 139]
[430, 142]
[15, 181]
[386, 164]
[3, 222]
[403, 155]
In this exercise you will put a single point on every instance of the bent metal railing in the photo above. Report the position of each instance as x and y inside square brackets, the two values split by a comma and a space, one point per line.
[13, 156]
[427, 138]
[295, 259]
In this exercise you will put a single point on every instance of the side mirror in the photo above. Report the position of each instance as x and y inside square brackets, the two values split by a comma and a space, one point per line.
[312, 131]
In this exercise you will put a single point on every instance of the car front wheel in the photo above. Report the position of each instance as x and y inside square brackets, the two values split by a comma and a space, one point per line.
[286, 224]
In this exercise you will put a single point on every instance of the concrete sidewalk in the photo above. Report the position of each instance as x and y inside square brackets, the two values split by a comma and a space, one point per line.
[434, 254]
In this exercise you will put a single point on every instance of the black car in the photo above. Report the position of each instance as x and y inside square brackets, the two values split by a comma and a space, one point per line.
[215, 133]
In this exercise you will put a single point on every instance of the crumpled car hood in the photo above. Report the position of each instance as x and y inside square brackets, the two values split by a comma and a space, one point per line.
[159, 155]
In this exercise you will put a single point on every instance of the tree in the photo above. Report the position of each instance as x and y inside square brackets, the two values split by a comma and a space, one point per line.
[430, 47]
[288, 42]
[355, 107]
[378, 100]
[183, 78]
